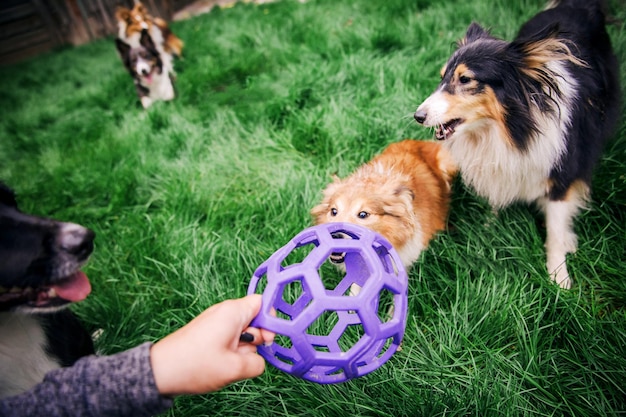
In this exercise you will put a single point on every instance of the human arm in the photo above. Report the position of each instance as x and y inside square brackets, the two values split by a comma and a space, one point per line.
[202, 356]
[116, 385]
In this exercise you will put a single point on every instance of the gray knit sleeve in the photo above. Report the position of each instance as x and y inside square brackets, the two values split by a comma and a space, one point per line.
[117, 385]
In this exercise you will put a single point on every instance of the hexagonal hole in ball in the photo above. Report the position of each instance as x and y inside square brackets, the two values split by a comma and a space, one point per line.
[299, 254]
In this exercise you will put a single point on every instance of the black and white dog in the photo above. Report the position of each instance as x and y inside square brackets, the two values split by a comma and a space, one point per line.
[39, 276]
[150, 71]
[527, 120]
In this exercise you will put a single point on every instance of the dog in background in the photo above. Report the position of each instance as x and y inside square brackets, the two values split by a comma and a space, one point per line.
[133, 24]
[402, 194]
[39, 276]
[145, 66]
[527, 120]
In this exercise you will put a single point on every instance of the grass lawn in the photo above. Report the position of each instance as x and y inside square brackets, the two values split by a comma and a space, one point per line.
[190, 196]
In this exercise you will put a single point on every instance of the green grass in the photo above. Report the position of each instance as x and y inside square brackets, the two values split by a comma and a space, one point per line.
[189, 197]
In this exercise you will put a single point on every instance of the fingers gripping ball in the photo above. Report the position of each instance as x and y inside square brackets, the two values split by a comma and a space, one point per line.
[324, 333]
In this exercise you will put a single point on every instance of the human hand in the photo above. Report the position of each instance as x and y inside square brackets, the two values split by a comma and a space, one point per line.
[206, 354]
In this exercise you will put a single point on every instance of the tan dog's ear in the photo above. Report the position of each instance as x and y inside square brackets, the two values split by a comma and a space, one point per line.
[402, 205]
[332, 189]
[328, 193]
[404, 192]
[318, 211]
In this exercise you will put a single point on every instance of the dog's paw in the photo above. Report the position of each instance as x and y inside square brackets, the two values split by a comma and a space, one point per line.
[146, 102]
[560, 275]
[355, 289]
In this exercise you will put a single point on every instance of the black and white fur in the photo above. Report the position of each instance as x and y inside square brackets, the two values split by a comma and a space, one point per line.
[527, 120]
[39, 260]
[151, 71]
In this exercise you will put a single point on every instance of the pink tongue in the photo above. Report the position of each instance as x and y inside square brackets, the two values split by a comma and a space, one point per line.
[75, 288]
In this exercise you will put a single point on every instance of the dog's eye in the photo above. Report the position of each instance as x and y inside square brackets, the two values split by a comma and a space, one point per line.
[463, 79]
[363, 215]
[333, 212]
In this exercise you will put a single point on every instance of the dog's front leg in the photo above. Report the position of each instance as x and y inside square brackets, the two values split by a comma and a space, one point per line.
[143, 94]
[560, 239]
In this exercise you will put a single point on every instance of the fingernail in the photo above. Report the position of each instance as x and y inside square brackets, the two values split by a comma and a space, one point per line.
[246, 337]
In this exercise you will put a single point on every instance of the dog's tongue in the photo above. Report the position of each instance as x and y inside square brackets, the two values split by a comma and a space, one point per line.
[74, 288]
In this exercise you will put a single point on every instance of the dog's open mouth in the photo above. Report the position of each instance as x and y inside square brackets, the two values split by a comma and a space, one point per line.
[148, 77]
[75, 287]
[446, 130]
[338, 257]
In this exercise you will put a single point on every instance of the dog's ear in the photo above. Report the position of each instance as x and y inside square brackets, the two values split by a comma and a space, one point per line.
[404, 192]
[541, 48]
[124, 50]
[401, 206]
[474, 33]
[328, 194]
[319, 210]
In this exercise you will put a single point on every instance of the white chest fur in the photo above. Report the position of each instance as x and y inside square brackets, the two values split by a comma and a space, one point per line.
[23, 360]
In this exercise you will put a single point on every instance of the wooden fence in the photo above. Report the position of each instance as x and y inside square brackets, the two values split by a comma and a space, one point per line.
[31, 27]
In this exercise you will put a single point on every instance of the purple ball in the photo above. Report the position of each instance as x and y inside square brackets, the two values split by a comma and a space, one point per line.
[325, 333]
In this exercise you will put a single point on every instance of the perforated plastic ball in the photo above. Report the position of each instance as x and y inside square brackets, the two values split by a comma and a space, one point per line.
[325, 333]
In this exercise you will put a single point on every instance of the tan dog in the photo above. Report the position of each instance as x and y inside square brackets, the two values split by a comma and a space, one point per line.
[403, 194]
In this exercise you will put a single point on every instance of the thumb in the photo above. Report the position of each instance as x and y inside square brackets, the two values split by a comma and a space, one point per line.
[248, 308]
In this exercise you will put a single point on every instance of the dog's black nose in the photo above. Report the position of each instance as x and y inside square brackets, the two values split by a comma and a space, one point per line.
[76, 240]
[420, 116]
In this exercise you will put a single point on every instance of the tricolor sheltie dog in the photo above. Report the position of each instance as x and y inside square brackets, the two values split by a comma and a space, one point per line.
[526, 120]
[402, 194]
[133, 24]
[40, 275]
[143, 62]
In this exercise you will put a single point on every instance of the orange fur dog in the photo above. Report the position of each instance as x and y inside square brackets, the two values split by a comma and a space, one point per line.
[403, 194]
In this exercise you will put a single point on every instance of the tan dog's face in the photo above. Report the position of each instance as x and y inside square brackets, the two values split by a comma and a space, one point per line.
[375, 201]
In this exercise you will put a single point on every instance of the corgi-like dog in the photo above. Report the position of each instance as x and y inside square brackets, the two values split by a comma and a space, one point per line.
[143, 62]
[526, 120]
[402, 194]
